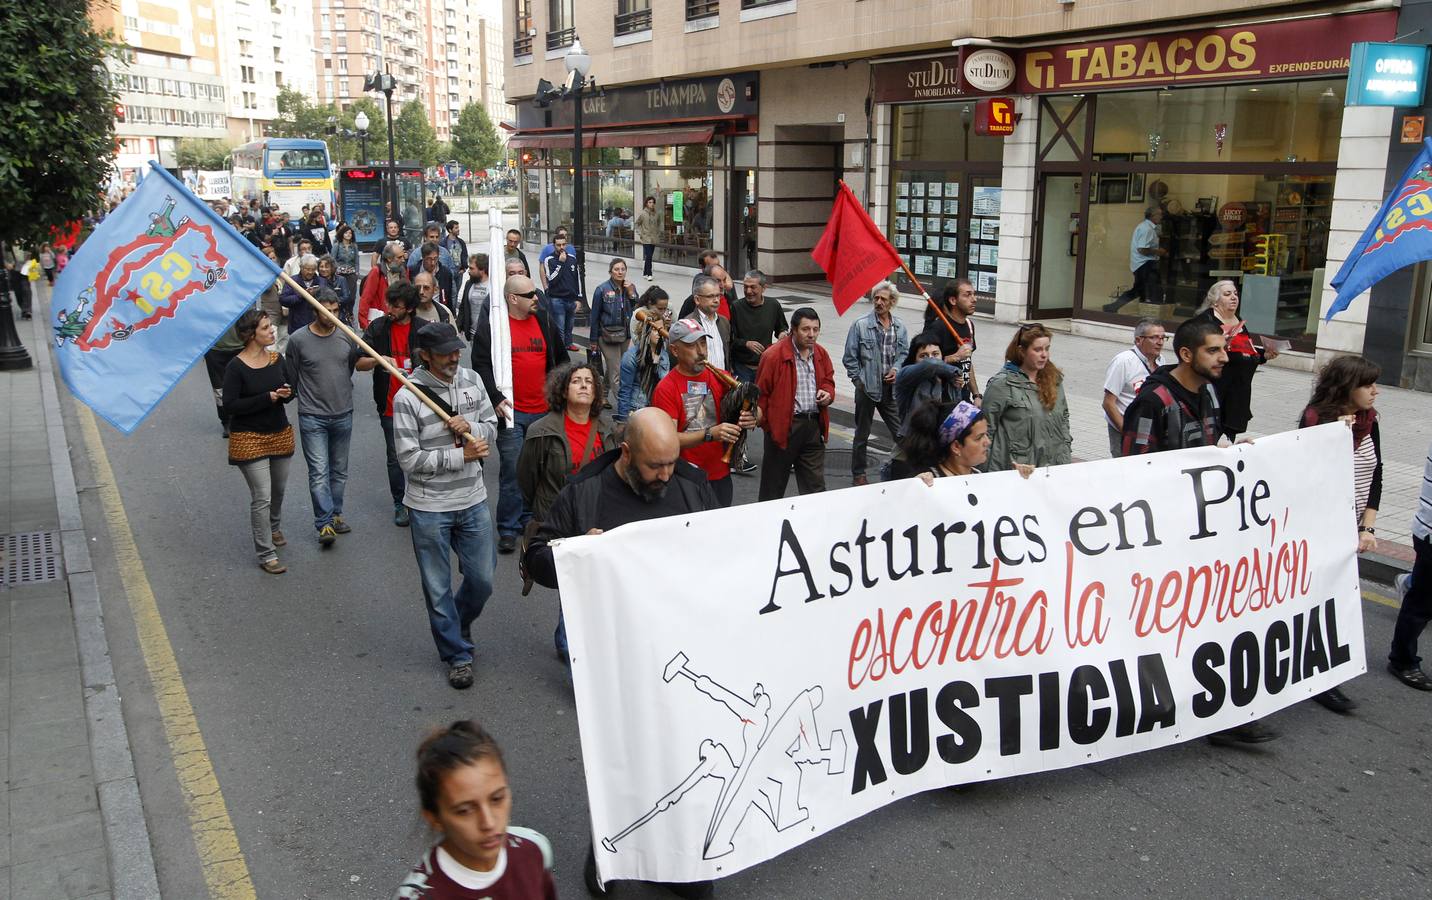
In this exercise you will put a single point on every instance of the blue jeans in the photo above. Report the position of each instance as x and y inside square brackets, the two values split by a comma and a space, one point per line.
[743, 372]
[562, 310]
[396, 485]
[512, 511]
[325, 449]
[436, 536]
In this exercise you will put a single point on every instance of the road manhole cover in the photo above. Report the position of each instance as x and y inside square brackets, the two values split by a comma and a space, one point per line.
[29, 557]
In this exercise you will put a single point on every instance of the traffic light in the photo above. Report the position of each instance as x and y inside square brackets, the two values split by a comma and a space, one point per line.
[119, 112]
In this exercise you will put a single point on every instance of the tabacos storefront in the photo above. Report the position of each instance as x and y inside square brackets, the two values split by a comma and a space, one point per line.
[1230, 133]
[691, 144]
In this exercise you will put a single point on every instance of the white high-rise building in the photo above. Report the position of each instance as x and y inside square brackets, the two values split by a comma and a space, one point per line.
[265, 46]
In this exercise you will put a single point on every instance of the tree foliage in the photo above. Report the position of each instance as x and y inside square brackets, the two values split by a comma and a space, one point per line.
[298, 117]
[414, 135]
[57, 135]
[202, 153]
[475, 142]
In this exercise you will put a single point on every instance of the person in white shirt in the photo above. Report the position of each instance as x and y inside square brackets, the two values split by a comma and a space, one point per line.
[1126, 374]
[706, 294]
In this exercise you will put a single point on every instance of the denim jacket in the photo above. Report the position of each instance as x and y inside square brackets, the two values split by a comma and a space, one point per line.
[862, 353]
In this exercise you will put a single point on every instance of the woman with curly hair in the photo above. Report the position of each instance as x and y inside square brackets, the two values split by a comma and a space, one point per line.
[1024, 401]
[574, 432]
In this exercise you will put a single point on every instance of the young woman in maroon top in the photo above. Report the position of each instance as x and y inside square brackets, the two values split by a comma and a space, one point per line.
[462, 784]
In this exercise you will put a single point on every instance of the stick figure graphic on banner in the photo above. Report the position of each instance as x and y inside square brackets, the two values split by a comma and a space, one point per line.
[769, 772]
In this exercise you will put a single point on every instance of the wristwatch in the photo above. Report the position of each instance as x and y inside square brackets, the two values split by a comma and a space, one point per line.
[1368, 528]
[707, 438]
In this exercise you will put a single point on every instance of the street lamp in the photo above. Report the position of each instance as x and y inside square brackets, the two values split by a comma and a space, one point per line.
[578, 63]
[386, 83]
[360, 122]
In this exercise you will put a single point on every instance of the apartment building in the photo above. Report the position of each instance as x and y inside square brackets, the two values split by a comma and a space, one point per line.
[1016, 144]
[265, 46]
[169, 79]
[443, 53]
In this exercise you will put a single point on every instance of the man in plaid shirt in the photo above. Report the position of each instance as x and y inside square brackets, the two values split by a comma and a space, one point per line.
[797, 382]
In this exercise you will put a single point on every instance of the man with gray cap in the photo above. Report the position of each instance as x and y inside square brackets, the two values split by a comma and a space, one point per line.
[691, 395]
[445, 495]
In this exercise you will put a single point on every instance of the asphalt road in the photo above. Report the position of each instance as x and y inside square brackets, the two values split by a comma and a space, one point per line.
[313, 689]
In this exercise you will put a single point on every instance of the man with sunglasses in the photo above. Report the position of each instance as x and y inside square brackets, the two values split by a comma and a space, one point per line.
[1127, 372]
[535, 350]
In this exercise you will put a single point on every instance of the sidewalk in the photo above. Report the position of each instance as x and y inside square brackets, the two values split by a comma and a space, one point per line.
[71, 824]
[1279, 394]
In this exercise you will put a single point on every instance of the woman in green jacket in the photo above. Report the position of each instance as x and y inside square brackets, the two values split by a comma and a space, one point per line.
[1024, 402]
[574, 432]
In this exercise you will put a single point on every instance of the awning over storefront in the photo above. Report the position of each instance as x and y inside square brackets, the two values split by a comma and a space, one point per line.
[655, 137]
[558, 140]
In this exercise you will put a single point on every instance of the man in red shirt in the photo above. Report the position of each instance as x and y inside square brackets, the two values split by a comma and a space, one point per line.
[536, 350]
[797, 382]
[392, 334]
[691, 395]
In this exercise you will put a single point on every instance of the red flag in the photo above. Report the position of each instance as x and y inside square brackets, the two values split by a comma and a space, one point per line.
[852, 251]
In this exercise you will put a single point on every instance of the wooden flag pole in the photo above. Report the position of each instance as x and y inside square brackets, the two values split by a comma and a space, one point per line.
[392, 370]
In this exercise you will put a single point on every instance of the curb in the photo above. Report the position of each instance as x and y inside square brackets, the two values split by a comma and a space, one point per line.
[131, 857]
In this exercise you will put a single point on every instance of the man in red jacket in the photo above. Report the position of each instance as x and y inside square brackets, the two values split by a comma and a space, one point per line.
[797, 382]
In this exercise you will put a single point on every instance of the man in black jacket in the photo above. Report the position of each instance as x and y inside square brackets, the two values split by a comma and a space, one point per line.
[402, 299]
[645, 478]
[536, 349]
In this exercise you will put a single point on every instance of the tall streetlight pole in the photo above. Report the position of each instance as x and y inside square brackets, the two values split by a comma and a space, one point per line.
[578, 63]
[360, 122]
[385, 82]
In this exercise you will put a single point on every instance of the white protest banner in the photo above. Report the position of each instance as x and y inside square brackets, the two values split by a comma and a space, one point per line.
[213, 184]
[792, 665]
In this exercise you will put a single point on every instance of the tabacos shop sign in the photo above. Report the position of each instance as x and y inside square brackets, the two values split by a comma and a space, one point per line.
[1300, 48]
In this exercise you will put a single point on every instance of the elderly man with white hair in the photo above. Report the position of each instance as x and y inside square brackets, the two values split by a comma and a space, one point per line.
[874, 348]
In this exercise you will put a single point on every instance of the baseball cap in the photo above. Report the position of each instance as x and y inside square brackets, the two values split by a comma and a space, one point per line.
[687, 331]
[439, 337]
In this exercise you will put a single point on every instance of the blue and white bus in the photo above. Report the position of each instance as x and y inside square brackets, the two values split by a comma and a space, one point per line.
[287, 173]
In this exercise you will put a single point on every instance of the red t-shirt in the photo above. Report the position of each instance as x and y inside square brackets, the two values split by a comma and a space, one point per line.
[529, 365]
[695, 404]
[577, 436]
[398, 344]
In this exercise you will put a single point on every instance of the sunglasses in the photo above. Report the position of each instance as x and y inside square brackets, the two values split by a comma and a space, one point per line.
[530, 295]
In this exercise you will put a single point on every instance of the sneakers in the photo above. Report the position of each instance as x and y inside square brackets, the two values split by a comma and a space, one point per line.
[1403, 582]
[273, 567]
[279, 540]
[400, 515]
[744, 467]
[341, 526]
[1251, 733]
[460, 675]
[1413, 677]
[326, 536]
[1336, 701]
[506, 543]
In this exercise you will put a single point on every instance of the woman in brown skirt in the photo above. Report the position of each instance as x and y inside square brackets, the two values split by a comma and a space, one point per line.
[260, 439]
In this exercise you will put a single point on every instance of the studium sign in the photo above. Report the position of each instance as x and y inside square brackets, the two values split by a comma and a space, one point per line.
[989, 70]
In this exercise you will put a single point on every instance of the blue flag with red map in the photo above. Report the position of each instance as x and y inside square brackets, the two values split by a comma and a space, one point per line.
[153, 287]
[1399, 235]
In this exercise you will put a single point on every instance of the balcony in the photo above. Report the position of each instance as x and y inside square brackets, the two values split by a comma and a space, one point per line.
[701, 9]
[522, 45]
[632, 22]
[559, 39]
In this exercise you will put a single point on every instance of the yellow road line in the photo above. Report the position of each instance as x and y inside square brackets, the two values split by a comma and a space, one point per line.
[1381, 600]
[225, 871]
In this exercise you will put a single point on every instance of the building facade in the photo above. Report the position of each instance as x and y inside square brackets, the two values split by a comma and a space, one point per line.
[443, 54]
[265, 47]
[169, 80]
[1017, 144]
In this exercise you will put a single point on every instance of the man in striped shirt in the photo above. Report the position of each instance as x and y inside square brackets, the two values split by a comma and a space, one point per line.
[1416, 590]
[445, 495]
